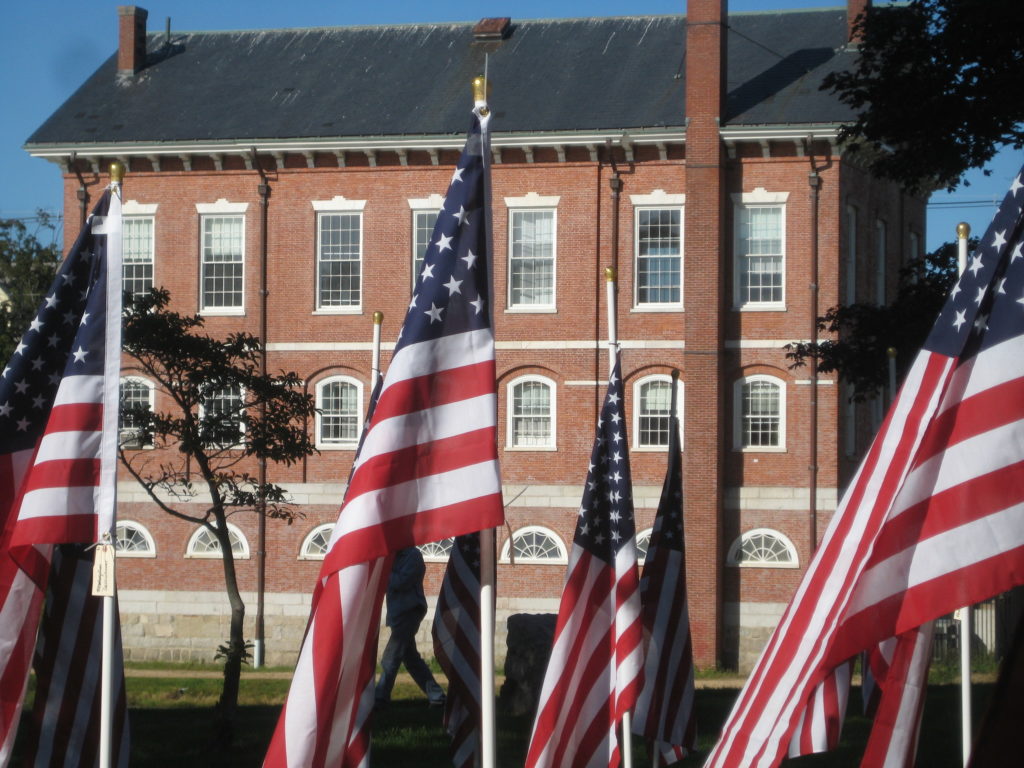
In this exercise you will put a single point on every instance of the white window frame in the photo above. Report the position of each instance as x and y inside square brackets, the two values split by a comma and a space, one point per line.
[738, 430]
[563, 554]
[881, 257]
[338, 205]
[851, 254]
[144, 534]
[324, 530]
[135, 212]
[637, 388]
[346, 445]
[216, 554]
[732, 558]
[552, 443]
[241, 423]
[222, 209]
[641, 555]
[533, 203]
[437, 551]
[421, 206]
[658, 200]
[123, 433]
[742, 202]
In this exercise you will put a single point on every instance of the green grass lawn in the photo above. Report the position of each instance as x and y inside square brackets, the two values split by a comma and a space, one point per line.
[172, 725]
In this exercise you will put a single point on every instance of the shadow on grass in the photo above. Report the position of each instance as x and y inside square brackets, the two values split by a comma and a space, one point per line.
[409, 734]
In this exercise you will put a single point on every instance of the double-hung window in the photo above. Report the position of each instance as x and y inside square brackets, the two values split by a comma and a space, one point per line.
[424, 217]
[531, 252]
[138, 248]
[531, 413]
[339, 412]
[760, 423]
[652, 410]
[760, 247]
[658, 247]
[222, 417]
[222, 258]
[136, 396]
[339, 254]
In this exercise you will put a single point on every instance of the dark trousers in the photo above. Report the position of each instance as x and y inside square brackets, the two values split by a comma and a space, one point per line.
[401, 649]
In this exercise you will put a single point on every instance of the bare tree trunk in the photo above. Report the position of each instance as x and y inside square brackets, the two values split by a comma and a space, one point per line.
[234, 652]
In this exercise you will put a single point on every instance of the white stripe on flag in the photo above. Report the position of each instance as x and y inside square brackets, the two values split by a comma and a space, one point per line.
[415, 496]
[446, 353]
[428, 425]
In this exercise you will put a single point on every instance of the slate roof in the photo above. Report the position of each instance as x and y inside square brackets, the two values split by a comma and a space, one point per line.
[572, 75]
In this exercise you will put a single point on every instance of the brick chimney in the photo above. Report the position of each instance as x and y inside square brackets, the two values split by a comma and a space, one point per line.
[855, 9]
[131, 39]
[704, 330]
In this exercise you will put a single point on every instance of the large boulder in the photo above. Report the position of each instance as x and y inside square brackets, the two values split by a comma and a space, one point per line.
[530, 636]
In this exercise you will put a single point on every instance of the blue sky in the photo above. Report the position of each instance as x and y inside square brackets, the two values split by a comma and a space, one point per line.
[49, 47]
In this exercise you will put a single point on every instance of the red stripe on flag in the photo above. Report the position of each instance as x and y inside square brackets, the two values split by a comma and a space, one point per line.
[63, 473]
[420, 460]
[410, 530]
[434, 389]
[75, 417]
[81, 527]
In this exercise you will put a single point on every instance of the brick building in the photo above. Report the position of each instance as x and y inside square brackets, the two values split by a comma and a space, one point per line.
[695, 154]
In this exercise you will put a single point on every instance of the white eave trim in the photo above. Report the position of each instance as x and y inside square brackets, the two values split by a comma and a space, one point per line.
[823, 131]
[61, 152]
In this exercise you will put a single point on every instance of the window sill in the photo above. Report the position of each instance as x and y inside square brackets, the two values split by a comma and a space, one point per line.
[227, 312]
[336, 446]
[538, 310]
[656, 308]
[762, 449]
[766, 307]
[339, 311]
[787, 566]
[531, 448]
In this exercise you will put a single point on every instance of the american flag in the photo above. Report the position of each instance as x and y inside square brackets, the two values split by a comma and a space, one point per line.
[934, 518]
[596, 664]
[64, 729]
[664, 711]
[427, 469]
[821, 723]
[58, 421]
[900, 673]
[456, 633]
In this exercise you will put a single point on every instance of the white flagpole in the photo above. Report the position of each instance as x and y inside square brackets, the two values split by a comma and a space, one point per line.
[378, 319]
[104, 560]
[488, 725]
[613, 344]
[963, 230]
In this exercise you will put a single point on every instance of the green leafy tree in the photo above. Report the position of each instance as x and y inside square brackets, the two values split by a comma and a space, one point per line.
[223, 416]
[28, 262]
[934, 88]
[863, 332]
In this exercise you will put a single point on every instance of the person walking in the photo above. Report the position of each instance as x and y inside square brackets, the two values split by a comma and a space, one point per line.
[406, 607]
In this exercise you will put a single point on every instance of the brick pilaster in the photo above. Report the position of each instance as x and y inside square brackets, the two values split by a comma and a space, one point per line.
[704, 290]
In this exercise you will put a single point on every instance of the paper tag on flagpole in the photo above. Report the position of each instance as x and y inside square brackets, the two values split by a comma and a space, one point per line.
[103, 571]
[958, 614]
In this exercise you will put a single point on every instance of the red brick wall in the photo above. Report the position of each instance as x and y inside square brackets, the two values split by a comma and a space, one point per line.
[710, 363]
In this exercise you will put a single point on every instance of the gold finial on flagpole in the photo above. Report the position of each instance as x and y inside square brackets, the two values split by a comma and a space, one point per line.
[891, 352]
[481, 90]
[378, 318]
[609, 274]
[963, 230]
[117, 171]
